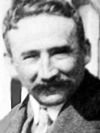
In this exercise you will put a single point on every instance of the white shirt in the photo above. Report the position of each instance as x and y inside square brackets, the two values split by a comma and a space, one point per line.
[53, 111]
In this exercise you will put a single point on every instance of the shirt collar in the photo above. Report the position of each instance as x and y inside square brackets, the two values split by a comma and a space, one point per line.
[53, 111]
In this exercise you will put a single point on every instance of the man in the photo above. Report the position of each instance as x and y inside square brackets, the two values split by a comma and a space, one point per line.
[48, 50]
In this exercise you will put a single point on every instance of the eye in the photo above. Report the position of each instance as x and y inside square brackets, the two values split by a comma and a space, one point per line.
[31, 55]
[61, 51]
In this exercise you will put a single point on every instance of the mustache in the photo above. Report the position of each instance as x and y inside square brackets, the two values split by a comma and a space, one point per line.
[52, 86]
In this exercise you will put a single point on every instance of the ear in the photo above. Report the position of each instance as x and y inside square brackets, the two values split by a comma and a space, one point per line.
[10, 65]
[87, 52]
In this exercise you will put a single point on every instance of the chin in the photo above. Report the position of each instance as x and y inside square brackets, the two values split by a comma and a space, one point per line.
[51, 100]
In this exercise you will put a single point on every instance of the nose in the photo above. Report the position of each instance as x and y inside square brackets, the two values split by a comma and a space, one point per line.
[47, 70]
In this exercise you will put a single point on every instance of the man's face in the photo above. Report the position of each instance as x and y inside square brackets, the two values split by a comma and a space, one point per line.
[47, 57]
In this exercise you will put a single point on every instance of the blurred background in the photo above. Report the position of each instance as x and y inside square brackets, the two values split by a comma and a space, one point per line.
[10, 94]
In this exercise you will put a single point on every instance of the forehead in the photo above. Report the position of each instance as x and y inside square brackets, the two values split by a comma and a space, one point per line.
[42, 29]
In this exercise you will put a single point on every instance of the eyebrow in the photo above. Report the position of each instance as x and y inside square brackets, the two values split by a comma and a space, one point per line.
[30, 53]
[61, 49]
[51, 51]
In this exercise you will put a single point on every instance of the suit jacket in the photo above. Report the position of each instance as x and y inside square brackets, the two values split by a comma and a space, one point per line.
[80, 115]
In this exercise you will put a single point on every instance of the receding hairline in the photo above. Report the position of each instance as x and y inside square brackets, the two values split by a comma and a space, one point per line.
[42, 23]
[41, 18]
[63, 7]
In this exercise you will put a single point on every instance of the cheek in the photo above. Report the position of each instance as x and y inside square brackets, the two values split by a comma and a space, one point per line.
[25, 72]
[67, 64]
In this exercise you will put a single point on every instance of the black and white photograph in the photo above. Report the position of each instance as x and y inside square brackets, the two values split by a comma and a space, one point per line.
[50, 66]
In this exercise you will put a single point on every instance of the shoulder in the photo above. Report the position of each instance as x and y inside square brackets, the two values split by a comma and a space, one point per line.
[6, 120]
[87, 98]
[91, 80]
[14, 120]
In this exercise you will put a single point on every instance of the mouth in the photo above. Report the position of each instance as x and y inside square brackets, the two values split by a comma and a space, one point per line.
[53, 93]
